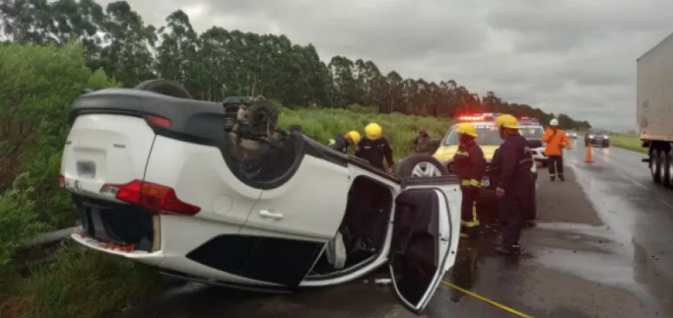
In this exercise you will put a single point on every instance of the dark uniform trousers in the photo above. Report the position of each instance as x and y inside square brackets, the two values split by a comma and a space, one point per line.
[555, 166]
[470, 166]
[511, 207]
[512, 163]
[469, 219]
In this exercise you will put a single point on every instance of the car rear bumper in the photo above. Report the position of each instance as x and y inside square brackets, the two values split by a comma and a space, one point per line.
[150, 258]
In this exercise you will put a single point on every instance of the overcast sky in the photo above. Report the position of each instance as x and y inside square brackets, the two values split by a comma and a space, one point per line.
[570, 56]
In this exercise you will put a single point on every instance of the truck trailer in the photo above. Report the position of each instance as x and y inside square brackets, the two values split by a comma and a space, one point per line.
[655, 109]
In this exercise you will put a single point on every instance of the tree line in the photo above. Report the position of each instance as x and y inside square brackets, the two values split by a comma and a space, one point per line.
[219, 63]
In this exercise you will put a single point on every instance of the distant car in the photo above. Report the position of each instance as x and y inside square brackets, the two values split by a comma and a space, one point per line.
[571, 134]
[234, 201]
[597, 138]
[532, 130]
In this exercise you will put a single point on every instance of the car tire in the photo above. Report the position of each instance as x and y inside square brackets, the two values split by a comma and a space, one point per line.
[164, 87]
[530, 210]
[420, 165]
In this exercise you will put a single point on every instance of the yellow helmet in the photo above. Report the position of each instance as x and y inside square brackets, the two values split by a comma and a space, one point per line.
[354, 136]
[507, 121]
[373, 131]
[465, 128]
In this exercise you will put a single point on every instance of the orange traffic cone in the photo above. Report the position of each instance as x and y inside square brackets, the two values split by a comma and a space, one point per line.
[589, 154]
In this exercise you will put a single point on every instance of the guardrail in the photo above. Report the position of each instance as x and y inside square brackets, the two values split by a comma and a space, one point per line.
[40, 249]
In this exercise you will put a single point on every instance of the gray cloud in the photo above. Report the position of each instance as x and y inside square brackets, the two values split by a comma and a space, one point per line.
[564, 56]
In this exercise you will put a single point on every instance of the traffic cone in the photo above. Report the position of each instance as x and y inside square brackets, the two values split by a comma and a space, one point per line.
[589, 154]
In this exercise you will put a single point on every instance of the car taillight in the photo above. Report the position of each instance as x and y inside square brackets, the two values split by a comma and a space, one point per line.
[152, 196]
[158, 121]
[61, 181]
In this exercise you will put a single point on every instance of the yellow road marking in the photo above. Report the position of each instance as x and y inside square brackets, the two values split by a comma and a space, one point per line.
[484, 299]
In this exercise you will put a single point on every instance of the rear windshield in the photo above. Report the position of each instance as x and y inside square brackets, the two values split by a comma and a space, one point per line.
[485, 136]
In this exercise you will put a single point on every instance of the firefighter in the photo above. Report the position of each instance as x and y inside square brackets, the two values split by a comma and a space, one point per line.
[470, 166]
[342, 142]
[555, 140]
[422, 142]
[375, 148]
[511, 167]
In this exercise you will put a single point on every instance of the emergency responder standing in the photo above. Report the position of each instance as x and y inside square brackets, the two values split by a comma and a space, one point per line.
[375, 148]
[342, 142]
[422, 142]
[555, 140]
[511, 167]
[470, 166]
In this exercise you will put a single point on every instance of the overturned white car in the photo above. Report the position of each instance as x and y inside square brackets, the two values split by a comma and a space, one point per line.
[214, 192]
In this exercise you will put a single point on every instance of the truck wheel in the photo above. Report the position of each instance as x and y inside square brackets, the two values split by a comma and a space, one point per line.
[655, 166]
[164, 87]
[420, 165]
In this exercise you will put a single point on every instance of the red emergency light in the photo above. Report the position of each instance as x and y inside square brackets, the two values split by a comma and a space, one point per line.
[476, 117]
[470, 118]
[528, 118]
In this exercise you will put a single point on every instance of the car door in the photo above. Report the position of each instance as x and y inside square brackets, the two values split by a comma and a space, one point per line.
[426, 231]
[294, 222]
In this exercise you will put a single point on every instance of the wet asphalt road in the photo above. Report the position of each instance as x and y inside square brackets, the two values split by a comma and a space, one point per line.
[602, 247]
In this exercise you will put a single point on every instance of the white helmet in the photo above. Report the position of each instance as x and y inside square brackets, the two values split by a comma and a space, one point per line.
[553, 122]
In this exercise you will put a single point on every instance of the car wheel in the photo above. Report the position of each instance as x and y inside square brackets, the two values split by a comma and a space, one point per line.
[165, 87]
[420, 165]
[655, 166]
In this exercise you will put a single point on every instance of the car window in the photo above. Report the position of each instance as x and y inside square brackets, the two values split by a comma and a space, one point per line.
[531, 132]
[598, 131]
[485, 136]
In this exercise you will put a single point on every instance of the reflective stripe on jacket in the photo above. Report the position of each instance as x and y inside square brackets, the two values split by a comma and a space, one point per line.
[555, 141]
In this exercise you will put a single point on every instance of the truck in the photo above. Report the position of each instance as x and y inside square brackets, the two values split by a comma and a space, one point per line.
[654, 96]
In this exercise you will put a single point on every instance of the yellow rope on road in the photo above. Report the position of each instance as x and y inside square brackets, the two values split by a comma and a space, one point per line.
[484, 299]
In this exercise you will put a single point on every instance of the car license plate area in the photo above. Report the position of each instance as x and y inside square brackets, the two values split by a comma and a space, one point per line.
[86, 169]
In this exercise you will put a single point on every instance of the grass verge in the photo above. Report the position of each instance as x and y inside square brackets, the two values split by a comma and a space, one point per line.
[629, 142]
[79, 283]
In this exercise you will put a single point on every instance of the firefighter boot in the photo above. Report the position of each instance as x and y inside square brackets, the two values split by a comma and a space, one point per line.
[469, 232]
[508, 249]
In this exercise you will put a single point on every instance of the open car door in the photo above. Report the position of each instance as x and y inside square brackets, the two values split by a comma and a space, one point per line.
[425, 238]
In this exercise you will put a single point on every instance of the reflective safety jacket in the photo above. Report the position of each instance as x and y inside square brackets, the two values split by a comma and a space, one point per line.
[469, 164]
[555, 142]
[512, 162]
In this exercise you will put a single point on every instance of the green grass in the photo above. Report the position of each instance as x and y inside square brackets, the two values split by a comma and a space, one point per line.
[630, 142]
[79, 283]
